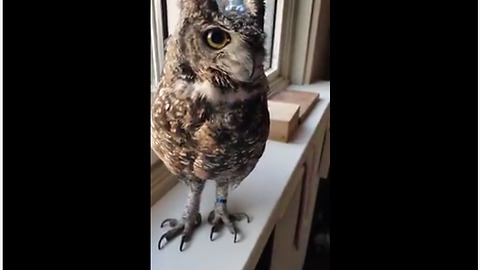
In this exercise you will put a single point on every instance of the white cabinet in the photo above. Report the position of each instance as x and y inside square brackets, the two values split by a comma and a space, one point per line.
[292, 231]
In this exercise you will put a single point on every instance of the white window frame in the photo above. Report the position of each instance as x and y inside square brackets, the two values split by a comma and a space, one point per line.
[157, 40]
[157, 55]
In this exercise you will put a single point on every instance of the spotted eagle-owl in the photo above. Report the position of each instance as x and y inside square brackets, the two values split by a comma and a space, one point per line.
[210, 118]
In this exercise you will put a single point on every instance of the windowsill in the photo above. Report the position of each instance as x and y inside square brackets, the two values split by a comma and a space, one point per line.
[262, 195]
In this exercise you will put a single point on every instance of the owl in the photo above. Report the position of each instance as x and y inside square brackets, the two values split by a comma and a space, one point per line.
[209, 117]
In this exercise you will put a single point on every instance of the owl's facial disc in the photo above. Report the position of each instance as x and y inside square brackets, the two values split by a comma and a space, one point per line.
[228, 51]
[238, 62]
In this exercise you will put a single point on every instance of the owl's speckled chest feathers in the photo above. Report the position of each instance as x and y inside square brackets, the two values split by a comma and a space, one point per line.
[197, 138]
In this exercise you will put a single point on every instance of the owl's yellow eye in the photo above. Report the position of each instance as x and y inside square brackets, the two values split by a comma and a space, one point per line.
[217, 38]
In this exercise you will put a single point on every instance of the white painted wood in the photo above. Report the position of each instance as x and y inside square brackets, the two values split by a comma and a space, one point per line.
[157, 51]
[318, 143]
[284, 255]
[325, 159]
[292, 235]
[310, 191]
[173, 14]
[312, 38]
[286, 38]
[277, 84]
[264, 195]
[162, 181]
[308, 195]
[153, 158]
[303, 15]
[319, 42]
[157, 39]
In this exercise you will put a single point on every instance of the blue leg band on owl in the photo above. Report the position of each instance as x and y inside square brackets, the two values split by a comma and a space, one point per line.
[219, 200]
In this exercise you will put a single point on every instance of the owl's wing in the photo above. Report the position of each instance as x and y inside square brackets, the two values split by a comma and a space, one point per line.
[175, 122]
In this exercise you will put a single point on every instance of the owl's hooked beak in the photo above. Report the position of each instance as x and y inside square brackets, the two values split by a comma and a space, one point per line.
[257, 67]
[254, 68]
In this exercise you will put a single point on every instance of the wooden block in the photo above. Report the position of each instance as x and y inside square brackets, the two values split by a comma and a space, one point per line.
[305, 100]
[284, 119]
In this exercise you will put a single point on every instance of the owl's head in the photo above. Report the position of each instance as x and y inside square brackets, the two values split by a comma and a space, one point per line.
[215, 42]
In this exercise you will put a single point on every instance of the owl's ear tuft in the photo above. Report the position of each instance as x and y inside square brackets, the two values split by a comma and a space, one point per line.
[190, 7]
[257, 8]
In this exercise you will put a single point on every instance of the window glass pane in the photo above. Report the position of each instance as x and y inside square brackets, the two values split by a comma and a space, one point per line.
[269, 28]
[152, 69]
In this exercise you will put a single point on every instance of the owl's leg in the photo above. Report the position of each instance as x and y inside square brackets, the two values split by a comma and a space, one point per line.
[190, 220]
[220, 216]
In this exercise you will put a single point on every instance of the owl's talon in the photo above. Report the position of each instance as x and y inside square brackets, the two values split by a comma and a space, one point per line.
[185, 227]
[215, 228]
[239, 217]
[170, 234]
[228, 220]
[171, 221]
[248, 218]
[160, 241]
[235, 236]
[211, 233]
[181, 243]
[235, 233]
